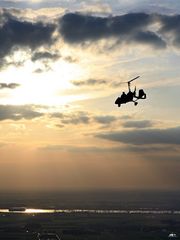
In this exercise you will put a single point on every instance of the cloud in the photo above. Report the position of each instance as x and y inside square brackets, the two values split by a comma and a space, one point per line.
[105, 119]
[15, 113]
[16, 33]
[95, 8]
[89, 82]
[145, 136]
[167, 158]
[76, 119]
[9, 86]
[150, 38]
[92, 149]
[138, 124]
[70, 59]
[44, 68]
[76, 28]
[44, 55]
[72, 118]
[158, 152]
[83, 118]
[39, 70]
[69, 148]
[151, 149]
[25, 4]
[171, 25]
[129, 28]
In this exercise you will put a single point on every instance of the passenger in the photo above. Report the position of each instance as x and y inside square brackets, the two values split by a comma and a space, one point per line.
[130, 96]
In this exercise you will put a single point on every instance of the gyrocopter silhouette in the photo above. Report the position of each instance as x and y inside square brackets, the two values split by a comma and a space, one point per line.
[130, 96]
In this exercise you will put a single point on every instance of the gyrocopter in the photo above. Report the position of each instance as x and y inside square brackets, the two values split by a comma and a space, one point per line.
[130, 96]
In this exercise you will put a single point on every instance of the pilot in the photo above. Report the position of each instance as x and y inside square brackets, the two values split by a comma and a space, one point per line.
[123, 97]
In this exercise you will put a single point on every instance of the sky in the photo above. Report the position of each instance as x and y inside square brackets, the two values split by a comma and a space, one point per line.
[62, 66]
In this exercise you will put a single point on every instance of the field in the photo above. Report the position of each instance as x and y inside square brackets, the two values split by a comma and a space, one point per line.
[91, 226]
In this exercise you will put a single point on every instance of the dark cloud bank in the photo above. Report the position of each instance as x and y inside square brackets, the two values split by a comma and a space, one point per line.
[78, 28]
[144, 136]
[74, 28]
[18, 33]
[129, 28]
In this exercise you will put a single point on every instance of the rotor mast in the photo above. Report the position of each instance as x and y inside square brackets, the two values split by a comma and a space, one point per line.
[129, 82]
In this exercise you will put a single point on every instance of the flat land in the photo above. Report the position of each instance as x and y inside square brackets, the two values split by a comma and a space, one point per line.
[89, 226]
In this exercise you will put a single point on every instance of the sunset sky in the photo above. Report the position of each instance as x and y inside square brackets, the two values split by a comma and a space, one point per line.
[62, 66]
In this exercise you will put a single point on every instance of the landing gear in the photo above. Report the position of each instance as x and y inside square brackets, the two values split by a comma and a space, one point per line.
[135, 103]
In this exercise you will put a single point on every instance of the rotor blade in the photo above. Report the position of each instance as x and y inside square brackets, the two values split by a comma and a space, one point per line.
[130, 80]
[133, 79]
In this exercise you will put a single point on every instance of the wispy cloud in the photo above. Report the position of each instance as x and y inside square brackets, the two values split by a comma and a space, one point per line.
[81, 117]
[9, 85]
[15, 113]
[105, 119]
[138, 124]
[89, 82]
[72, 118]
